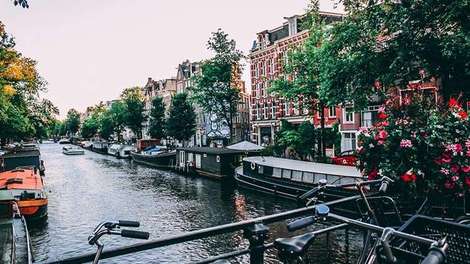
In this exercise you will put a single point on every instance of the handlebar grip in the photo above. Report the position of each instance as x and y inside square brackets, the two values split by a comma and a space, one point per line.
[309, 193]
[129, 223]
[435, 256]
[135, 234]
[383, 187]
[300, 223]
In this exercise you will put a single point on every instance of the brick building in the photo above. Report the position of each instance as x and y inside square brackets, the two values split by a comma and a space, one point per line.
[267, 56]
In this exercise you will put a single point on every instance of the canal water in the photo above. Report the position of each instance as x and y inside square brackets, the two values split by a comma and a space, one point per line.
[85, 190]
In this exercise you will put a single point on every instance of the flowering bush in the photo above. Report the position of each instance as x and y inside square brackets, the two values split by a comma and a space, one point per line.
[423, 148]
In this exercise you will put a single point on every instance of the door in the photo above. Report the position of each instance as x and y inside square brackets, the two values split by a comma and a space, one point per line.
[182, 159]
[198, 161]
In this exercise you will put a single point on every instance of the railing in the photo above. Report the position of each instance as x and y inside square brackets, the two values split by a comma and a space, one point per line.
[255, 230]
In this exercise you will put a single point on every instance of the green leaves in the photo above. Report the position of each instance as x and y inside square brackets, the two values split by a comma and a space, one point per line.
[181, 123]
[134, 103]
[157, 118]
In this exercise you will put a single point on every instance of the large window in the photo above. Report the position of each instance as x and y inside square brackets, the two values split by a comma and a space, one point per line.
[332, 111]
[348, 142]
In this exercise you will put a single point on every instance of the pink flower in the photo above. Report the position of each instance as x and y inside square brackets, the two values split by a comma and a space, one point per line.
[455, 148]
[466, 169]
[406, 143]
[462, 114]
[467, 181]
[372, 175]
[455, 178]
[445, 171]
[449, 185]
[454, 168]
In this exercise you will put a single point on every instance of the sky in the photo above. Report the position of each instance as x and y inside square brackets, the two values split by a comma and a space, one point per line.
[89, 51]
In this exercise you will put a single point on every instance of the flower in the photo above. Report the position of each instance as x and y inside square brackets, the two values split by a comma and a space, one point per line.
[449, 185]
[372, 175]
[382, 115]
[408, 176]
[455, 148]
[467, 181]
[462, 114]
[406, 143]
[454, 168]
[445, 171]
[465, 169]
[453, 102]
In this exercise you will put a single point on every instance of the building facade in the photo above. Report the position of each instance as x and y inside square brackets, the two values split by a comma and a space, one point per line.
[267, 57]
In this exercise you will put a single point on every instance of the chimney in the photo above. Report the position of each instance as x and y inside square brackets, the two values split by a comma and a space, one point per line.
[292, 22]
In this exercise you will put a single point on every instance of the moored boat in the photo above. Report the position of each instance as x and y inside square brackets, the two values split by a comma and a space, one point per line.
[71, 150]
[155, 156]
[15, 246]
[120, 150]
[64, 141]
[27, 187]
[292, 178]
[100, 146]
[22, 157]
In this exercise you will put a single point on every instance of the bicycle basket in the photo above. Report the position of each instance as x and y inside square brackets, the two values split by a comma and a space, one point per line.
[458, 238]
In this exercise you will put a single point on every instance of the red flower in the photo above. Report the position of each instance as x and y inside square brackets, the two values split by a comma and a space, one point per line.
[462, 114]
[453, 102]
[382, 115]
[409, 176]
[372, 175]
[449, 185]
[454, 168]
[466, 169]
[382, 135]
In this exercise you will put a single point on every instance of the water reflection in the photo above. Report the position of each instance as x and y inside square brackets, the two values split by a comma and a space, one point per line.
[84, 190]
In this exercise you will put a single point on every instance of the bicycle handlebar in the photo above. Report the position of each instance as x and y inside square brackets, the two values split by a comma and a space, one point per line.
[128, 223]
[135, 234]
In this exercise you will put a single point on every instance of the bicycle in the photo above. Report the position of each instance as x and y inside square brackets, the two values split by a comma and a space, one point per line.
[114, 228]
[292, 249]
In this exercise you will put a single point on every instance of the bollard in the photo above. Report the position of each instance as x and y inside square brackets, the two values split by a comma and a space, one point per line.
[256, 234]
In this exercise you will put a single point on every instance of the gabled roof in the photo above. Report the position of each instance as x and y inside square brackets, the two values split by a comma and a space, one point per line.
[245, 146]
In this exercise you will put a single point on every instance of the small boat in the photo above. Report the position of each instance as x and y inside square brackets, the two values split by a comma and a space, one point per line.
[71, 150]
[120, 150]
[86, 144]
[155, 156]
[20, 157]
[100, 146]
[64, 141]
[14, 237]
[27, 187]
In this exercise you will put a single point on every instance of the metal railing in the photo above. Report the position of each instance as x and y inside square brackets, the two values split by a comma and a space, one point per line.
[255, 230]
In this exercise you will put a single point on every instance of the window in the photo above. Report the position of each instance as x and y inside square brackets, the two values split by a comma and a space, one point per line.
[348, 115]
[366, 119]
[286, 174]
[273, 111]
[265, 111]
[260, 169]
[297, 176]
[348, 142]
[217, 158]
[277, 172]
[286, 108]
[332, 111]
[308, 177]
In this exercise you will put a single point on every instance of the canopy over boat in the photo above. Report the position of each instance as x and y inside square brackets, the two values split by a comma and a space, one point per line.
[22, 178]
[245, 146]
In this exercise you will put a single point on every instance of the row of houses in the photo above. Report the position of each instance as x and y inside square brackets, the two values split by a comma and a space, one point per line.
[259, 112]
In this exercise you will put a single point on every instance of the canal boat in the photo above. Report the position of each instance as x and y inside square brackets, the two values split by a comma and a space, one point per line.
[15, 246]
[20, 157]
[27, 186]
[215, 163]
[64, 141]
[71, 150]
[292, 178]
[120, 151]
[155, 156]
[100, 146]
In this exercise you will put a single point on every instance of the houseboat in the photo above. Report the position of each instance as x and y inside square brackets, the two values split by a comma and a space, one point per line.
[27, 187]
[215, 163]
[64, 141]
[100, 146]
[20, 157]
[15, 246]
[120, 151]
[72, 150]
[155, 156]
[292, 178]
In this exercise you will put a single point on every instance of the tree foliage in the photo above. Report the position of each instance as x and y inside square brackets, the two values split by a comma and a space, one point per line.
[23, 114]
[295, 142]
[135, 106]
[215, 89]
[393, 44]
[72, 121]
[157, 118]
[181, 123]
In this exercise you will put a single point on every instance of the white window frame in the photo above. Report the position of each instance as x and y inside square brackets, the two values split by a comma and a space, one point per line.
[334, 111]
[345, 115]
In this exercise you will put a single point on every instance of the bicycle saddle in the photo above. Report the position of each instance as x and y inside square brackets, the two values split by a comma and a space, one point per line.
[294, 245]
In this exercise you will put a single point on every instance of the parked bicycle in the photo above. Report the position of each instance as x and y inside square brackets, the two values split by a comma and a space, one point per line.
[114, 228]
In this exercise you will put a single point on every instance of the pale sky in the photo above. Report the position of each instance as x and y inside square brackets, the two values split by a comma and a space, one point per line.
[89, 50]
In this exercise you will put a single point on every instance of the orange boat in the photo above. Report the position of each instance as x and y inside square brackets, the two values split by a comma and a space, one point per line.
[27, 186]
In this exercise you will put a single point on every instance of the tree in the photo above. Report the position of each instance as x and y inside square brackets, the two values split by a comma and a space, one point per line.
[135, 106]
[300, 79]
[89, 127]
[181, 123]
[299, 139]
[157, 118]
[72, 121]
[215, 87]
[106, 125]
[391, 44]
[118, 115]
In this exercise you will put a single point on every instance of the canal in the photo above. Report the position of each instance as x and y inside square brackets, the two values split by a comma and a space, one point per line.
[84, 190]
